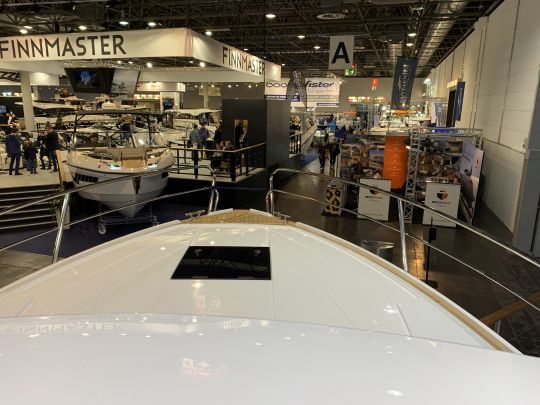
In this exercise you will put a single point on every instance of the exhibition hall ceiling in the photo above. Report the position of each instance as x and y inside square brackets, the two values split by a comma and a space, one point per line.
[294, 34]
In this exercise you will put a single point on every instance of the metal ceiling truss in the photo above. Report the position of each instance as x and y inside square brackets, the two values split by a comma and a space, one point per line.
[380, 27]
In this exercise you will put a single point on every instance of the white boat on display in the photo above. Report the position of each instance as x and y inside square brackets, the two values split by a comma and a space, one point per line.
[109, 154]
[242, 307]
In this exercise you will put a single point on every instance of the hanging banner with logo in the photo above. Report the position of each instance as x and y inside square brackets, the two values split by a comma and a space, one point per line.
[403, 83]
[297, 87]
[374, 204]
[458, 101]
[444, 198]
[320, 92]
[341, 54]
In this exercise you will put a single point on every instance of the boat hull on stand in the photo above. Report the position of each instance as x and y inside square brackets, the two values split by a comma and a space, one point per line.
[122, 193]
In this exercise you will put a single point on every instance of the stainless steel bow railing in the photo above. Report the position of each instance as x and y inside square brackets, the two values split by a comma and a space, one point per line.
[65, 196]
[270, 207]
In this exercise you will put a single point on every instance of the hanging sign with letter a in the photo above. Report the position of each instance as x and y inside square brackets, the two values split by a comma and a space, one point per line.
[341, 52]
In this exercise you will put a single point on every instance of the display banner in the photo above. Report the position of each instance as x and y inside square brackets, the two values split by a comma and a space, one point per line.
[341, 55]
[297, 86]
[443, 198]
[374, 204]
[470, 167]
[155, 43]
[395, 160]
[320, 91]
[403, 83]
[458, 101]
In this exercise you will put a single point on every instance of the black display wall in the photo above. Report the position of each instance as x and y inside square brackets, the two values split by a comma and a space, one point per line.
[268, 122]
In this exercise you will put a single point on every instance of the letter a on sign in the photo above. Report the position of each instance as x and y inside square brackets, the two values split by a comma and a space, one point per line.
[341, 52]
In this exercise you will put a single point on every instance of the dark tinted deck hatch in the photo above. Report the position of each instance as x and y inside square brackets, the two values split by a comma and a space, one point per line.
[224, 263]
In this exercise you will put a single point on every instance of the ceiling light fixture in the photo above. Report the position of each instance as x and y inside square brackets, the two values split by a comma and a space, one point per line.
[202, 64]
[149, 65]
[246, 49]
[83, 27]
[191, 61]
[409, 44]
[208, 33]
[124, 23]
[229, 86]
[270, 16]
[130, 62]
[301, 36]
[23, 31]
[151, 24]
[28, 27]
[119, 62]
[249, 85]
[317, 47]
[283, 64]
[411, 34]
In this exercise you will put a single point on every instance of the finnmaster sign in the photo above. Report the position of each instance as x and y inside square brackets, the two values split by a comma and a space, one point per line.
[403, 83]
[341, 52]
[321, 92]
[173, 42]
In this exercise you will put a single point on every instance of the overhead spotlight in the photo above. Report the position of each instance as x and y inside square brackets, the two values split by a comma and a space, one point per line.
[317, 47]
[191, 61]
[83, 27]
[208, 33]
[270, 16]
[119, 62]
[196, 86]
[301, 36]
[249, 86]
[130, 62]
[283, 64]
[23, 31]
[123, 23]
[149, 65]
[409, 44]
[202, 64]
[411, 34]
[362, 47]
[229, 86]
[237, 85]
[28, 27]
[212, 85]
[246, 49]
[151, 24]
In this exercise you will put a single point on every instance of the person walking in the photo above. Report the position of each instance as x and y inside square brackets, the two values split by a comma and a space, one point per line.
[322, 155]
[193, 142]
[13, 149]
[334, 152]
[52, 145]
[42, 149]
[243, 140]
[238, 131]
[203, 136]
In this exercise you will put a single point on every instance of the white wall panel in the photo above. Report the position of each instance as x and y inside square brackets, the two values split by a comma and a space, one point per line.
[502, 168]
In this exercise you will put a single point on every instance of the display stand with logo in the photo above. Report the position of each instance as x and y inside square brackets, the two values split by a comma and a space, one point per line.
[374, 204]
[441, 197]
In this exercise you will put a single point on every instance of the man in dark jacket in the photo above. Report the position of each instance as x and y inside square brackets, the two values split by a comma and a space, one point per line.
[334, 152]
[218, 135]
[52, 145]
[13, 149]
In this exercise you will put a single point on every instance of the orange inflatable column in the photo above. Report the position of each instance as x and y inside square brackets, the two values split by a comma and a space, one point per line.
[395, 160]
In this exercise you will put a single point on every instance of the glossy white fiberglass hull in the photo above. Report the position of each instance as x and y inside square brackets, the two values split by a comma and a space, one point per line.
[122, 193]
[332, 325]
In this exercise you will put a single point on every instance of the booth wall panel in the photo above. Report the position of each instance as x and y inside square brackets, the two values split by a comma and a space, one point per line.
[500, 69]
[502, 168]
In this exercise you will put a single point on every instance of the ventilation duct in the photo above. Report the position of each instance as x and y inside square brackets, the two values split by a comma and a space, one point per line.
[437, 31]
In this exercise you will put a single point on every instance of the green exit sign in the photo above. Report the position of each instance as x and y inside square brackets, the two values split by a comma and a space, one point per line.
[350, 72]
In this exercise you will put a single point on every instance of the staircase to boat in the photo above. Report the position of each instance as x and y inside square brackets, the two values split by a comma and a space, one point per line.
[36, 216]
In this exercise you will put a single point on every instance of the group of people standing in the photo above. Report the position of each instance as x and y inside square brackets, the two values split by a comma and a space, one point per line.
[18, 146]
[326, 149]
